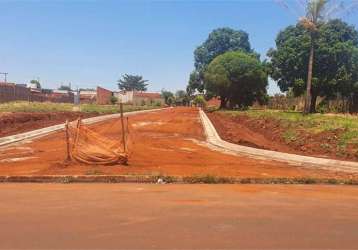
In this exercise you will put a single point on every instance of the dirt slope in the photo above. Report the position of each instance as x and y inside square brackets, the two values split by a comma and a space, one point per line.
[167, 142]
[15, 123]
[269, 134]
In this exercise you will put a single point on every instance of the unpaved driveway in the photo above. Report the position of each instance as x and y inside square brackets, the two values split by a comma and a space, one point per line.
[166, 142]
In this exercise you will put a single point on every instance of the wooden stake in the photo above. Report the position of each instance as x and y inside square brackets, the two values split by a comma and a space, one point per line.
[123, 132]
[127, 125]
[68, 142]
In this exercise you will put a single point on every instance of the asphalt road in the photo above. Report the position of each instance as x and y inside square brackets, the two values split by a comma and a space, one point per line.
[131, 216]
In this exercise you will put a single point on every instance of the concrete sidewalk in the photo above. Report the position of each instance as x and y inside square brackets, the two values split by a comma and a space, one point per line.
[217, 143]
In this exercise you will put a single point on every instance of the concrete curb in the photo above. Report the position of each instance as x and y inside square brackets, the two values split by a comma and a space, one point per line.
[214, 139]
[4, 141]
[150, 179]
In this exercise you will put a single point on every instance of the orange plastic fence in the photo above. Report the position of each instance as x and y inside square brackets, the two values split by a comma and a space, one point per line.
[88, 147]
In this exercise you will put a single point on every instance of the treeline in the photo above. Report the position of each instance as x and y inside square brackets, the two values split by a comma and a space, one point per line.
[314, 58]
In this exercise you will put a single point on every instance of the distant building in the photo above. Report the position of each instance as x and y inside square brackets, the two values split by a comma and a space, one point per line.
[104, 96]
[146, 98]
[124, 96]
[139, 98]
[88, 96]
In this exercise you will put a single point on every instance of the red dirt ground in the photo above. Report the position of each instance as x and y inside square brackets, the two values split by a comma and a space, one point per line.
[167, 142]
[19, 122]
[267, 134]
[144, 216]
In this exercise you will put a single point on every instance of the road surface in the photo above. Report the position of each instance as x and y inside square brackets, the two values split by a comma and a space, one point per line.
[139, 216]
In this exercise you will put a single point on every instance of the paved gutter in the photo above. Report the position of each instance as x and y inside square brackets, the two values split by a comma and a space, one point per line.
[4, 141]
[152, 179]
[217, 143]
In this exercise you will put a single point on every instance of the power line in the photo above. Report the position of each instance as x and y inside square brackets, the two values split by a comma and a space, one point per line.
[5, 75]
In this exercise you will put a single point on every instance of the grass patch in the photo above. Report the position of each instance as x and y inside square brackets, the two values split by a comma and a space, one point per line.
[312, 123]
[290, 136]
[23, 106]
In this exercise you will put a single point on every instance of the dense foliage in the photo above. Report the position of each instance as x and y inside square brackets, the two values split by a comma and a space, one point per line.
[219, 41]
[132, 83]
[335, 63]
[238, 78]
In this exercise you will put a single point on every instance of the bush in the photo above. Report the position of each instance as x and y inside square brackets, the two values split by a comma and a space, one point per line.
[113, 100]
[199, 101]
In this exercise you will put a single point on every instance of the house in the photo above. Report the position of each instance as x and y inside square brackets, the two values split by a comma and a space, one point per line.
[146, 98]
[88, 96]
[139, 98]
[104, 96]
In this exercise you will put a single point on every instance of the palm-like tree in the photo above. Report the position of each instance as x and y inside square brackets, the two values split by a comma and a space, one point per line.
[316, 13]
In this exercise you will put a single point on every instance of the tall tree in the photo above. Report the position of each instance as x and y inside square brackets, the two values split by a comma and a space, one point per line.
[238, 78]
[132, 83]
[333, 64]
[314, 15]
[37, 83]
[317, 12]
[219, 41]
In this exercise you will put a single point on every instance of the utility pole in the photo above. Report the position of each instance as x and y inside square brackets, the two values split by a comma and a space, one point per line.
[5, 76]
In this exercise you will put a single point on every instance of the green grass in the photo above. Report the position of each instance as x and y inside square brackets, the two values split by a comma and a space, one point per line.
[313, 123]
[24, 106]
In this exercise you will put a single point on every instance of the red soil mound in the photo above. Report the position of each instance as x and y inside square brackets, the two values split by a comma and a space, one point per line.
[15, 123]
[268, 134]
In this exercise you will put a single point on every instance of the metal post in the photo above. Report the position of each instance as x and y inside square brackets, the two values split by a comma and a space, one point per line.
[123, 132]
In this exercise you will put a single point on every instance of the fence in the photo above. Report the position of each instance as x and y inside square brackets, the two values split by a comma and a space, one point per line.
[338, 105]
[13, 92]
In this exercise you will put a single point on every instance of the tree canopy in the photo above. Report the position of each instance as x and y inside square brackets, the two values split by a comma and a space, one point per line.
[37, 83]
[219, 41]
[238, 78]
[334, 65]
[168, 97]
[65, 87]
[132, 83]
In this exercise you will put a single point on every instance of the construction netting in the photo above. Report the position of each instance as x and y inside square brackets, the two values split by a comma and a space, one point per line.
[86, 146]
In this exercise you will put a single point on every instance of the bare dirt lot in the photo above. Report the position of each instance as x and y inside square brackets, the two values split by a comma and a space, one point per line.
[268, 133]
[133, 216]
[167, 142]
[15, 123]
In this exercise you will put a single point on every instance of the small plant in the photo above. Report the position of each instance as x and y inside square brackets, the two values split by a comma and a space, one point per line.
[113, 100]
[289, 136]
[199, 101]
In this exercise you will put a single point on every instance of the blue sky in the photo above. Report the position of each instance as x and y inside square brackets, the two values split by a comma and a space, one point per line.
[90, 43]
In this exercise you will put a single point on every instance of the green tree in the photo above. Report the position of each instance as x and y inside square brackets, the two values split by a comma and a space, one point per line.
[64, 87]
[199, 101]
[181, 98]
[37, 83]
[113, 100]
[317, 13]
[333, 63]
[314, 15]
[238, 78]
[168, 97]
[132, 83]
[219, 41]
